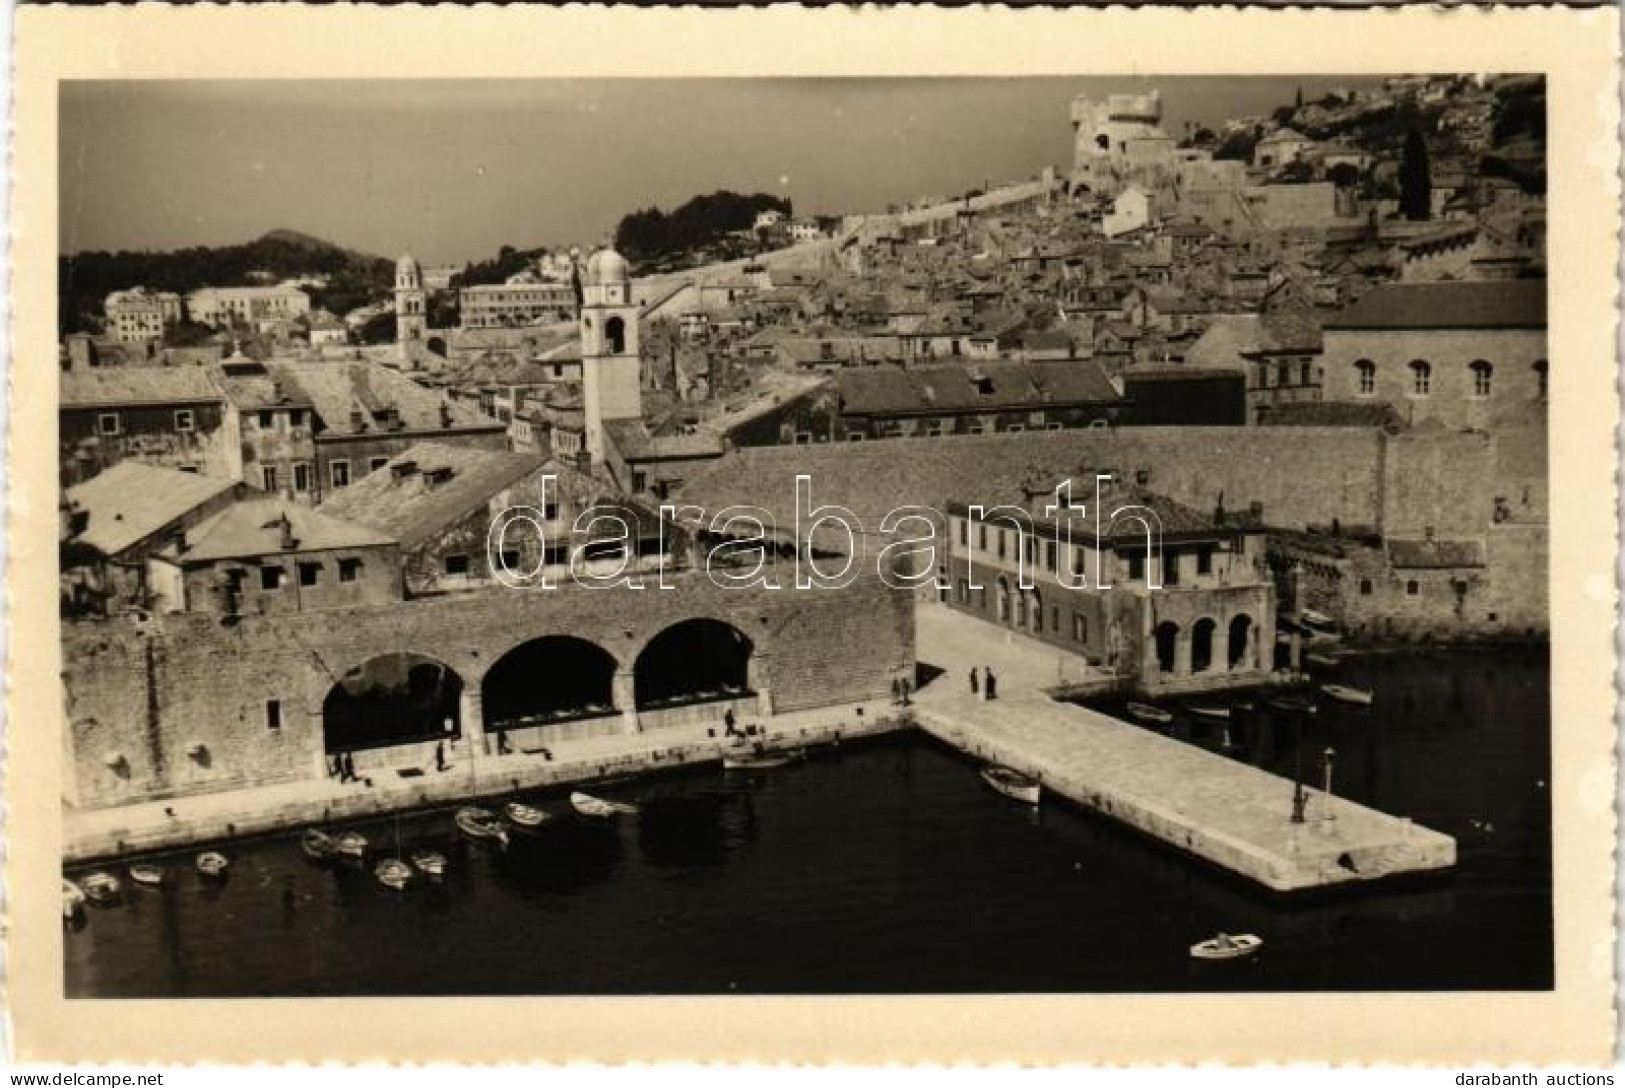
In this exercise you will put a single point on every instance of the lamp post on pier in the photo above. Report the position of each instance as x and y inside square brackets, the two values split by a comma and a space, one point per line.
[1326, 762]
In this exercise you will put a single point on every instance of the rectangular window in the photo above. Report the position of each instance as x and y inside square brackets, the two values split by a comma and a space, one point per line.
[1049, 556]
[339, 473]
[981, 538]
[183, 419]
[803, 438]
[1080, 628]
[268, 477]
[296, 418]
[107, 423]
[1204, 559]
[550, 511]
[1413, 589]
[270, 577]
[349, 570]
[455, 564]
[266, 419]
[301, 476]
[510, 560]
[964, 534]
[310, 574]
[1307, 371]
[1001, 543]
[1136, 566]
[1170, 568]
[273, 713]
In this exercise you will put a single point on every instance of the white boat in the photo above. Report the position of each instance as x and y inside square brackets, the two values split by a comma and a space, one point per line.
[429, 862]
[588, 805]
[1226, 947]
[1345, 694]
[350, 843]
[758, 761]
[477, 823]
[1152, 714]
[1311, 618]
[393, 873]
[212, 863]
[1221, 713]
[1320, 661]
[73, 898]
[526, 817]
[1013, 784]
[150, 875]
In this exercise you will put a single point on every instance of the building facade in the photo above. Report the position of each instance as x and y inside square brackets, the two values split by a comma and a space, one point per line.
[513, 305]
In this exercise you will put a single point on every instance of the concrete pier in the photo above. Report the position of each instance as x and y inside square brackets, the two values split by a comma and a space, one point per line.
[1225, 812]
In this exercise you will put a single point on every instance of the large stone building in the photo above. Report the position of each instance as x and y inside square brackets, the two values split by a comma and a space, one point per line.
[1119, 138]
[516, 305]
[246, 306]
[139, 315]
[170, 416]
[411, 306]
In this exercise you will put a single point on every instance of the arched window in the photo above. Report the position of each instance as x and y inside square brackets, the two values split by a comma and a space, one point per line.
[1421, 377]
[1483, 372]
[1202, 645]
[1365, 376]
[1166, 636]
[1540, 378]
[615, 333]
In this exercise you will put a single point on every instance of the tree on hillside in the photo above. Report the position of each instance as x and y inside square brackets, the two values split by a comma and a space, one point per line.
[1415, 179]
[649, 234]
[1344, 175]
[1238, 145]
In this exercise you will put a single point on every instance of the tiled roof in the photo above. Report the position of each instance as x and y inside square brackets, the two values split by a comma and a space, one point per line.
[1435, 554]
[959, 387]
[337, 389]
[254, 527]
[132, 500]
[110, 386]
[635, 443]
[1507, 304]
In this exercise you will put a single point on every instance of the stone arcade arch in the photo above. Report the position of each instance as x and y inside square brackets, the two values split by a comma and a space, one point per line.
[546, 681]
[1167, 639]
[394, 698]
[1202, 644]
[697, 660]
[1241, 633]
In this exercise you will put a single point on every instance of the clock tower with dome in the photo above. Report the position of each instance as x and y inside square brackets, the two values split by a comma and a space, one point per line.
[611, 367]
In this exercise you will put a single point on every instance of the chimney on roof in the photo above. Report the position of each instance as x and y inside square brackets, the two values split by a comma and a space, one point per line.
[434, 477]
[289, 541]
[1256, 509]
[445, 415]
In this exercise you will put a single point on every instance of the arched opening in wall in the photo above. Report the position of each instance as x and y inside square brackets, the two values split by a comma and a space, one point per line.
[399, 698]
[1021, 608]
[1037, 611]
[1202, 645]
[695, 661]
[1004, 600]
[1241, 629]
[1167, 636]
[556, 678]
[615, 335]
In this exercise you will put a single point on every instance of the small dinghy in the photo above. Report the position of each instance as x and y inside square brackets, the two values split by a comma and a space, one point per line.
[393, 873]
[1310, 618]
[1290, 704]
[102, 888]
[317, 845]
[1217, 713]
[477, 823]
[429, 862]
[149, 875]
[1226, 947]
[352, 844]
[1013, 784]
[588, 805]
[1345, 694]
[1153, 715]
[525, 817]
[758, 761]
[212, 863]
[73, 898]
[1320, 661]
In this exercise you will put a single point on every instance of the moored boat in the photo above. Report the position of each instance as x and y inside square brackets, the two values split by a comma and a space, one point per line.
[212, 863]
[317, 845]
[1218, 713]
[477, 823]
[758, 761]
[1310, 618]
[1224, 946]
[350, 843]
[102, 888]
[429, 862]
[150, 875]
[73, 898]
[1320, 661]
[1013, 784]
[393, 873]
[1290, 704]
[1343, 693]
[523, 816]
[588, 805]
[1154, 715]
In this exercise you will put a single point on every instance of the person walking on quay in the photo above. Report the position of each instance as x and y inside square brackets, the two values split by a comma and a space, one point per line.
[990, 683]
[903, 689]
[439, 755]
[502, 742]
[975, 689]
[728, 729]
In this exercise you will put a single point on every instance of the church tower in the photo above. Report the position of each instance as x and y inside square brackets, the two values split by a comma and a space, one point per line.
[411, 310]
[611, 367]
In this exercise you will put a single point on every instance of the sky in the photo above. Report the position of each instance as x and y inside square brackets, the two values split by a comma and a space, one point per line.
[451, 170]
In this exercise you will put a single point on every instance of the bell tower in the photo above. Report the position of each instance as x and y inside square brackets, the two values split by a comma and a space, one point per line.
[611, 366]
[411, 310]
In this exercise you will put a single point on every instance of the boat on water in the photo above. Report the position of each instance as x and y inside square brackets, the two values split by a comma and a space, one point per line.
[1154, 715]
[102, 888]
[73, 898]
[212, 863]
[1290, 704]
[588, 805]
[1310, 618]
[1218, 713]
[1013, 784]
[1343, 693]
[393, 873]
[759, 761]
[317, 845]
[1225, 946]
[477, 823]
[525, 817]
[429, 862]
[351, 844]
[1320, 661]
[150, 875]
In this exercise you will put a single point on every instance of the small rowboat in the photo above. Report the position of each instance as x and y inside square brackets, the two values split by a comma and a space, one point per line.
[1226, 947]
[1013, 784]
[73, 898]
[1290, 704]
[429, 862]
[1311, 618]
[317, 845]
[1320, 661]
[1155, 715]
[212, 863]
[102, 888]
[588, 805]
[525, 817]
[1345, 694]
[350, 843]
[393, 873]
[758, 761]
[1218, 713]
[150, 875]
[477, 823]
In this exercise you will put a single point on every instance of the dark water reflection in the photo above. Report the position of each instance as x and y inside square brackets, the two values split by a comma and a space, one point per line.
[887, 867]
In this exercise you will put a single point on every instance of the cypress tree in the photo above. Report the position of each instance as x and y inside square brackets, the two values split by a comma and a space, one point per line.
[1415, 179]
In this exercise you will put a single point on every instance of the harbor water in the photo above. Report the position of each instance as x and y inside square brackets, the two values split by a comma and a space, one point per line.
[888, 867]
